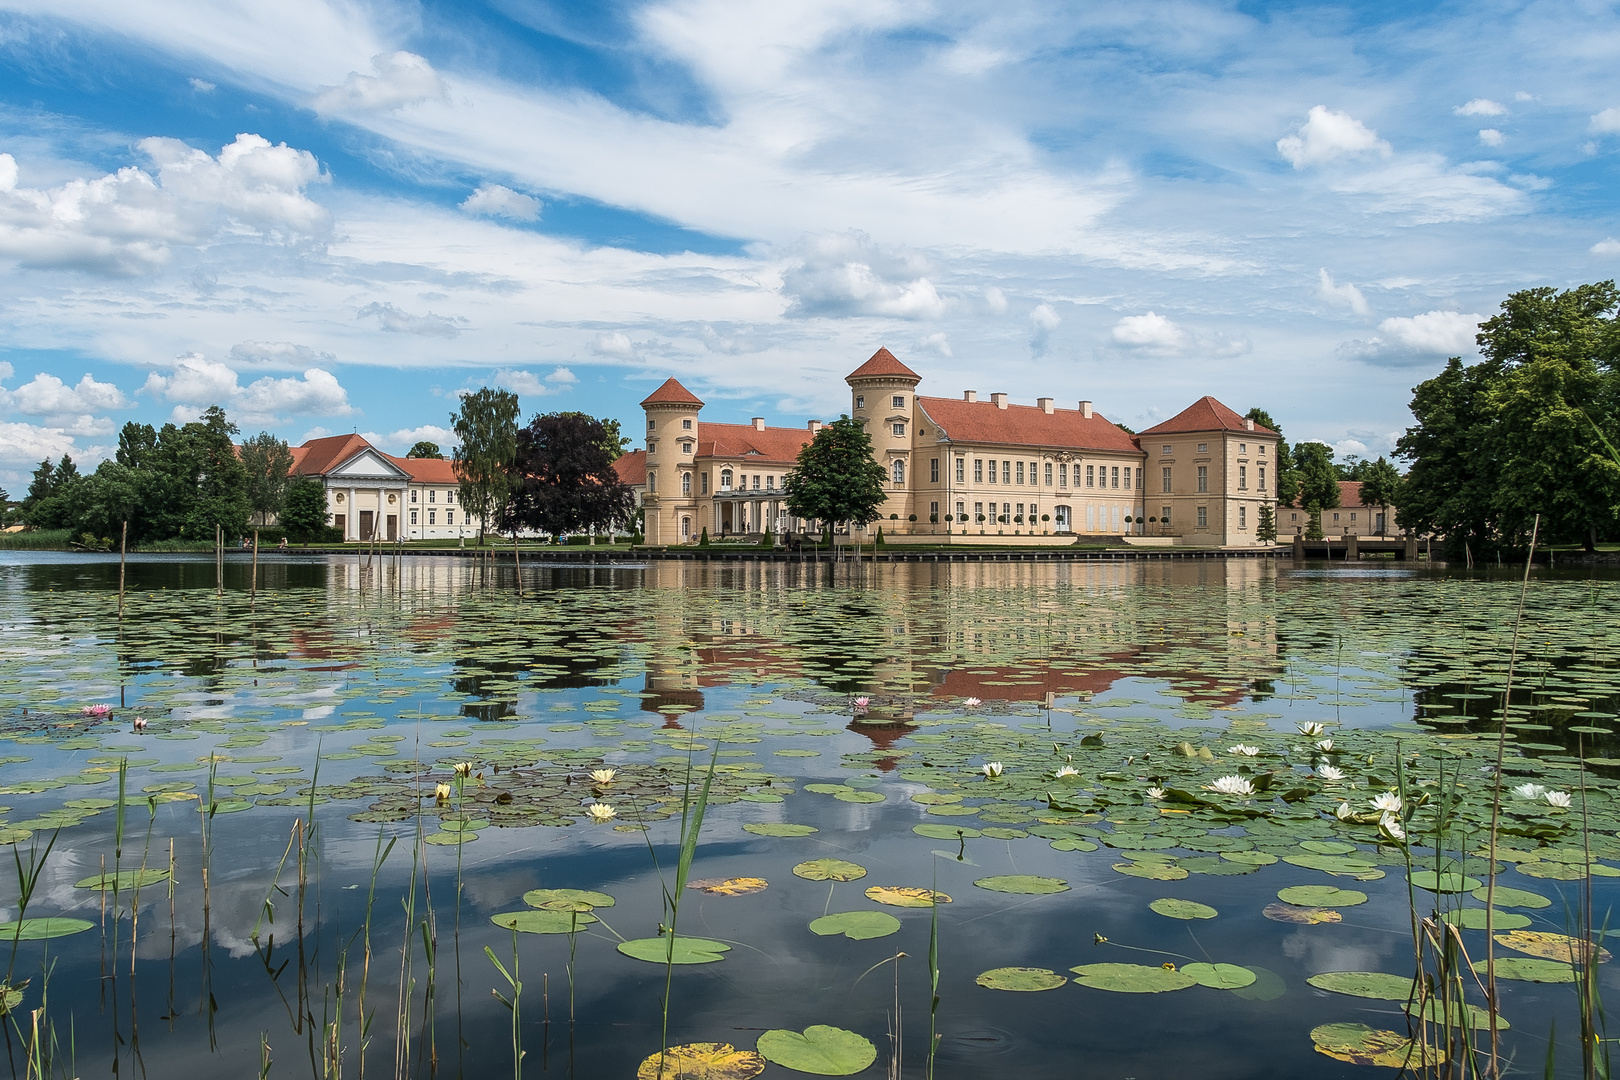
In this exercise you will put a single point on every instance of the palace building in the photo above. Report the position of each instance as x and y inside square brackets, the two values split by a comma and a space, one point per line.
[966, 471]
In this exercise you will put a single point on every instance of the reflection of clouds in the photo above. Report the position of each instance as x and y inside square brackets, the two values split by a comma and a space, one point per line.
[319, 712]
[1316, 952]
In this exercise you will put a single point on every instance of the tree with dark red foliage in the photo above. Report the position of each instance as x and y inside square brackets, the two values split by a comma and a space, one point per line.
[563, 479]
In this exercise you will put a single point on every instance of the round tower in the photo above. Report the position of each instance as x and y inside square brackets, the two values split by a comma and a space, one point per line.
[672, 485]
[883, 398]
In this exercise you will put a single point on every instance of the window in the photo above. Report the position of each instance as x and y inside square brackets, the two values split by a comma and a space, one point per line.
[992, 470]
[899, 429]
[413, 495]
[933, 511]
[1203, 517]
[978, 470]
[1352, 515]
[1018, 513]
[933, 470]
[686, 483]
[1006, 472]
[978, 511]
[1089, 471]
[433, 496]
[1164, 479]
[1035, 465]
[433, 517]
[1262, 449]
[1021, 473]
[1164, 515]
[686, 448]
[1243, 517]
[1116, 476]
[450, 496]
[705, 483]
[1127, 476]
[651, 424]
[756, 481]
[1063, 476]
[1243, 477]
[899, 472]
[1167, 449]
[770, 483]
[1203, 479]
[652, 481]
[686, 425]
[686, 528]
[961, 509]
[860, 401]
[1262, 476]
[1048, 477]
[1243, 448]
[1335, 517]
[449, 517]
[1203, 448]
[898, 401]
[1006, 513]
[725, 479]
[961, 468]
[413, 517]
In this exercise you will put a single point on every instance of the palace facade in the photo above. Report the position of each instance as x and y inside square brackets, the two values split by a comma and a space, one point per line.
[966, 470]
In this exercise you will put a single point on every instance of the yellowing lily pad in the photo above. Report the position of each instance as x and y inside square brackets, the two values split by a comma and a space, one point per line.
[905, 896]
[1022, 979]
[1023, 884]
[1506, 897]
[1183, 909]
[1153, 871]
[731, 886]
[1525, 969]
[536, 898]
[688, 950]
[543, 922]
[1219, 976]
[1362, 1045]
[1303, 916]
[856, 925]
[778, 828]
[819, 1049]
[1321, 896]
[829, 870]
[41, 929]
[702, 1061]
[1560, 947]
[1132, 978]
[1366, 984]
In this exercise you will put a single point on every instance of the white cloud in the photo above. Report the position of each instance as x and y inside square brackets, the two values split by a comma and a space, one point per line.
[939, 343]
[1334, 293]
[1521, 95]
[494, 200]
[562, 377]
[1607, 246]
[47, 395]
[995, 300]
[6, 371]
[283, 355]
[1151, 333]
[251, 180]
[397, 79]
[32, 443]
[397, 321]
[1491, 137]
[614, 343]
[845, 274]
[202, 86]
[196, 382]
[528, 384]
[1606, 122]
[398, 442]
[1328, 136]
[1417, 339]
[1481, 107]
[1043, 319]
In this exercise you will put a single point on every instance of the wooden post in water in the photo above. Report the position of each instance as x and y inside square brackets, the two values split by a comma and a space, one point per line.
[123, 545]
[253, 582]
[219, 560]
[517, 565]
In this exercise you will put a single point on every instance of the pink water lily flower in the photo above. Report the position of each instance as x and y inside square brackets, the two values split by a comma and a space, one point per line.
[862, 702]
[973, 703]
[97, 710]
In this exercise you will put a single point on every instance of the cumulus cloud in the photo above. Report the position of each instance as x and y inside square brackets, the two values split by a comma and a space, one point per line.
[1491, 137]
[1328, 136]
[196, 382]
[397, 79]
[1607, 246]
[1334, 293]
[1151, 333]
[845, 274]
[126, 222]
[494, 200]
[1417, 339]
[47, 395]
[614, 343]
[1481, 107]
[528, 384]
[995, 300]
[398, 442]
[398, 321]
[202, 86]
[30, 443]
[283, 355]
[1043, 319]
[939, 344]
[1606, 122]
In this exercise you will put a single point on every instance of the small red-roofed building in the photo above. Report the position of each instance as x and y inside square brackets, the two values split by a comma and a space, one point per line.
[373, 495]
[1209, 473]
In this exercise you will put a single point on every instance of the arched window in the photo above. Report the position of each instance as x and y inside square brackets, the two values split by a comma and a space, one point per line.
[686, 528]
[899, 472]
[725, 479]
[686, 483]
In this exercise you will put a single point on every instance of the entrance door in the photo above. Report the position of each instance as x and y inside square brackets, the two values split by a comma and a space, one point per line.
[725, 518]
[1061, 514]
[340, 523]
[367, 518]
[393, 526]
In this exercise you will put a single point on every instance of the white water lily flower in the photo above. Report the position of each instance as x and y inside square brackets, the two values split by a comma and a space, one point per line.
[464, 768]
[600, 813]
[1066, 770]
[1389, 827]
[1387, 803]
[603, 776]
[1343, 812]
[1155, 792]
[1231, 785]
[1328, 772]
[1530, 791]
[992, 769]
[1310, 731]
[1326, 746]
[972, 703]
[1560, 799]
[1244, 751]
[441, 792]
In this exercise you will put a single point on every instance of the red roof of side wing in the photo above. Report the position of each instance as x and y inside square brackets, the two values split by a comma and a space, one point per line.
[1025, 425]
[1205, 414]
[632, 467]
[742, 442]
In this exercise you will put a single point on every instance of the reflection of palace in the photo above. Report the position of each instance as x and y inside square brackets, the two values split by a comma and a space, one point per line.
[967, 471]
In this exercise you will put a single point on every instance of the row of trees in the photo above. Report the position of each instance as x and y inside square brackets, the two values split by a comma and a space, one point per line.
[1308, 477]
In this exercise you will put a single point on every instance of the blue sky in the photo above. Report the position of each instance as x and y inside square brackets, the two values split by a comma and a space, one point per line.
[334, 216]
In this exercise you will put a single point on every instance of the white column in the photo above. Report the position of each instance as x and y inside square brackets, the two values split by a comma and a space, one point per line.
[351, 520]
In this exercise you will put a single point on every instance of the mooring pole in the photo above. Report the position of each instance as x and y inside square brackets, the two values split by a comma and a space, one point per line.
[517, 565]
[123, 545]
[219, 560]
[253, 583]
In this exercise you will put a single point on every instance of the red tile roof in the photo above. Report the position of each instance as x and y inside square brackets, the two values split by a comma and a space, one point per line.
[632, 467]
[671, 393]
[1025, 425]
[1205, 414]
[745, 442]
[428, 470]
[318, 457]
[882, 364]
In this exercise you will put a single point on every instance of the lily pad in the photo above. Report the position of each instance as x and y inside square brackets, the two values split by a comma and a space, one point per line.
[1524, 969]
[1182, 909]
[1321, 896]
[41, 929]
[1267, 986]
[819, 1049]
[1362, 1045]
[1560, 947]
[1303, 916]
[1506, 897]
[124, 879]
[731, 886]
[1444, 882]
[1436, 1012]
[1023, 884]
[1365, 984]
[1220, 976]
[1474, 919]
[778, 828]
[702, 1061]
[829, 870]
[1023, 979]
[541, 897]
[905, 896]
[688, 950]
[1329, 847]
[1132, 978]
[948, 832]
[543, 922]
[856, 925]
[1153, 871]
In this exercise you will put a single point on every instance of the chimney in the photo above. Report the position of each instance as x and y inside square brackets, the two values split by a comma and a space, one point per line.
[815, 426]
[1085, 409]
[1000, 400]
[970, 395]
[1248, 423]
[1046, 405]
[759, 423]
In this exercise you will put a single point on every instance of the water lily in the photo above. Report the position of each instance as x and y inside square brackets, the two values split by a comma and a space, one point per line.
[1155, 793]
[1533, 792]
[139, 724]
[1558, 799]
[97, 711]
[972, 703]
[1231, 785]
[992, 769]
[1387, 803]
[1325, 745]
[1066, 770]
[1244, 751]
[463, 769]
[1343, 812]
[1328, 772]
[1310, 731]
[1389, 827]
[603, 776]
[441, 792]
[600, 813]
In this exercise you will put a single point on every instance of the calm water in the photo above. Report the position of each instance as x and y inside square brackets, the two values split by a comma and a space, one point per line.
[364, 686]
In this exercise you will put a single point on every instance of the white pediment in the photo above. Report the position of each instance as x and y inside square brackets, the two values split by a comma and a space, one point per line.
[369, 465]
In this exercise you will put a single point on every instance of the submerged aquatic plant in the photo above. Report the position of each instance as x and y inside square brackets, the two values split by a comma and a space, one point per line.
[1231, 785]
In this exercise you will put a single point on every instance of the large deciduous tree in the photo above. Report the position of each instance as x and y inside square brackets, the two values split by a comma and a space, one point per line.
[1318, 481]
[1287, 484]
[486, 426]
[304, 514]
[267, 461]
[1380, 486]
[836, 481]
[425, 449]
[563, 478]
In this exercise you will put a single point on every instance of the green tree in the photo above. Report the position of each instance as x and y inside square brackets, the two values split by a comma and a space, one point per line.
[41, 487]
[1380, 487]
[425, 449]
[268, 464]
[1452, 475]
[304, 514]
[836, 481]
[1265, 527]
[1283, 467]
[1313, 523]
[1313, 468]
[136, 442]
[486, 426]
[563, 478]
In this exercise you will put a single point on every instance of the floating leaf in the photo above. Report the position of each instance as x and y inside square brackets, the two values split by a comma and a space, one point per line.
[1444, 882]
[1023, 884]
[1329, 847]
[1337, 865]
[540, 897]
[124, 879]
[1267, 986]
[1321, 896]
[1255, 858]
[1506, 897]
[948, 832]
[1132, 978]
[1073, 843]
[829, 870]
[778, 828]
[905, 896]
[1474, 919]
[1560, 947]
[1153, 871]
[1024, 979]
[731, 886]
[41, 929]
[1437, 1012]
[1183, 909]
[1304, 916]
[1362, 1045]
[543, 922]
[1365, 984]
[702, 1061]
[1525, 969]
[1555, 871]
[688, 950]
[819, 1049]
[856, 925]
[1220, 976]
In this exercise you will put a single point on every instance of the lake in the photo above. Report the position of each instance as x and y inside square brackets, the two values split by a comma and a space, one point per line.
[1018, 769]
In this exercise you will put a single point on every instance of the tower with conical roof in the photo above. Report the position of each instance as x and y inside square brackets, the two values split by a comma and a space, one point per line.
[672, 432]
[883, 398]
